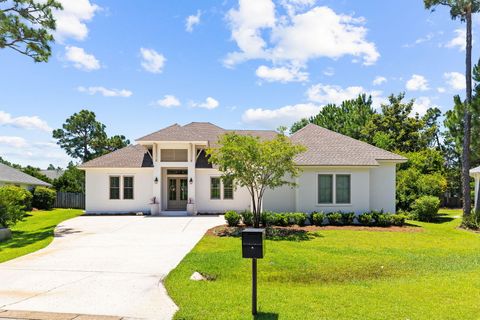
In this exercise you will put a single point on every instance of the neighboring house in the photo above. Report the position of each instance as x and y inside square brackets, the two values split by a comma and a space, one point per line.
[11, 176]
[170, 165]
[476, 174]
[53, 174]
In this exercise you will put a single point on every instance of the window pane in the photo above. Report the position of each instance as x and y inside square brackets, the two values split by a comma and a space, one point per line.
[228, 189]
[114, 188]
[128, 188]
[172, 189]
[325, 188]
[183, 189]
[171, 155]
[343, 188]
[215, 188]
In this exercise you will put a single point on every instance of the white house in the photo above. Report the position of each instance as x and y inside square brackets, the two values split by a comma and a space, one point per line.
[475, 173]
[12, 176]
[170, 167]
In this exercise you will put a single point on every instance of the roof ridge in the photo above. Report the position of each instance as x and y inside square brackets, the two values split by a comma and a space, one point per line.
[170, 126]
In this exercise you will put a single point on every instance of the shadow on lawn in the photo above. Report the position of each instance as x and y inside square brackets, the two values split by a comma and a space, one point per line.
[24, 238]
[266, 316]
[443, 218]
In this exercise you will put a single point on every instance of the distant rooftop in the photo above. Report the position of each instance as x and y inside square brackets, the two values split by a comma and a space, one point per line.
[14, 176]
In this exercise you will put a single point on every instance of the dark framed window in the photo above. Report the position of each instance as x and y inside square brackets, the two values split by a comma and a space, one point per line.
[325, 188]
[342, 191]
[174, 155]
[214, 188]
[228, 189]
[114, 188]
[128, 188]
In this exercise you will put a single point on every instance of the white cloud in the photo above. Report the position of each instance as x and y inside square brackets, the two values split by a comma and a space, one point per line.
[325, 94]
[24, 122]
[272, 118]
[441, 90]
[80, 59]
[417, 83]
[294, 6]
[152, 61]
[209, 103]
[192, 20]
[379, 80]
[421, 105]
[106, 92]
[455, 80]
[459, 41]
[168, 101]
[71, 20]
[16, 142]
[281, 74]
[329, 72]
[295, 39]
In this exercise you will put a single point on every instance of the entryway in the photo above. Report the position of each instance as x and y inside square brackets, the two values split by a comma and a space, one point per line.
[177, 193]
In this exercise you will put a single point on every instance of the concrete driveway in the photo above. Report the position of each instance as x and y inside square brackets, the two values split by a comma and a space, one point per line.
[104, 266]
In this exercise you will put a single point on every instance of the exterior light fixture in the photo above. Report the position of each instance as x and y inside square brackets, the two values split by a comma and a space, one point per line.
[191, 181]
[156, 180]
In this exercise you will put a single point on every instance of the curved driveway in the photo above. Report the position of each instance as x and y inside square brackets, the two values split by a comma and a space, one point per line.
[104, 266]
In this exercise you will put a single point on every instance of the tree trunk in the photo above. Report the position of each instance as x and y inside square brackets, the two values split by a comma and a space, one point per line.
[467, 119]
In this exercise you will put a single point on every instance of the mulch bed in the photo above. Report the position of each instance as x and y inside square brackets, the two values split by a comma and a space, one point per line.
[276, 232]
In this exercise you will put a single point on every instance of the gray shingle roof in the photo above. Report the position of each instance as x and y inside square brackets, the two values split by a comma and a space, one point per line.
[136, 156]
[12, 175]
[328, 148]
[324, 147]
[199, 131]
[53, 174]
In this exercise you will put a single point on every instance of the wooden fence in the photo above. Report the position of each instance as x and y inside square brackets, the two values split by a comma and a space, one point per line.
[70, 200]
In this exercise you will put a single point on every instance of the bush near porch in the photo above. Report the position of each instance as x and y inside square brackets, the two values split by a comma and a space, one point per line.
[338, 274]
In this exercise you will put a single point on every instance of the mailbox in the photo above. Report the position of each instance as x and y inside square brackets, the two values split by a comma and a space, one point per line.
[253, 243]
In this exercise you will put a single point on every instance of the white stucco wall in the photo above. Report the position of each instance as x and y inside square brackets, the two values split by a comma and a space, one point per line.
[97, 198]
[279, 200]
[241, 196]
[382, 187]
[307, 194]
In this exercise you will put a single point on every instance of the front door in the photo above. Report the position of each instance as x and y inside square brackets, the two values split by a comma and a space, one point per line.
[177, 194]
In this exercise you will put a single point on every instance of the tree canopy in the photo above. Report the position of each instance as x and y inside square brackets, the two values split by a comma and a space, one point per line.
[84, 138]
[256, 164]
[26, 26]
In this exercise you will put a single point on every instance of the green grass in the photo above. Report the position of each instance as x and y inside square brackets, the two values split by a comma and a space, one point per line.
[340, 274]
[34, 232]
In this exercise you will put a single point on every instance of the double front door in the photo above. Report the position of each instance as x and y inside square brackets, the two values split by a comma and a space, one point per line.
[177, 193]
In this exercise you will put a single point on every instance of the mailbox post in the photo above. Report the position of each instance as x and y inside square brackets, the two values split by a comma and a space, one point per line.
[253, 247]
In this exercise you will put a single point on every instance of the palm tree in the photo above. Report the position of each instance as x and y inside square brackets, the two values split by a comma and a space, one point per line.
[463, 10]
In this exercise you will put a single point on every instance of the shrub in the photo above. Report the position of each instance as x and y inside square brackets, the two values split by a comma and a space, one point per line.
[233, 218]
[348, 218]
[398, 219]
[426, 208]
[316, 218]
[44, 198]
[384, 220]
[280, 219]
[375, 215]
[12, 205]
[334, 218]
[247, 218]
[266, 218]
[365, 219]
[300, 218]
[21, 196]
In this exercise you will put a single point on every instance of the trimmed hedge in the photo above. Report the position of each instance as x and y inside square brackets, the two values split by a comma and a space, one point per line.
[13, 202]
[233, 218]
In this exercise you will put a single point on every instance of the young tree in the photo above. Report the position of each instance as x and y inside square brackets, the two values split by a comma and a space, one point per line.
[26, 26]
[256, 164]
[84, 138]
[463, 10]
[72, 180]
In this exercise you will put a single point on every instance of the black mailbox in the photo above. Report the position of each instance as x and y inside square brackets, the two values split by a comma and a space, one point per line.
[253, 243]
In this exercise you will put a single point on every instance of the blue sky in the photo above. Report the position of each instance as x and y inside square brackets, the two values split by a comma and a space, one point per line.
[142, 65]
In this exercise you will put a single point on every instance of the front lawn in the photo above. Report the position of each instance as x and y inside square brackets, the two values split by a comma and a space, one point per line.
[339, 274]
[34, 232]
